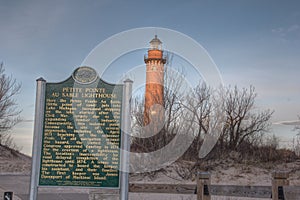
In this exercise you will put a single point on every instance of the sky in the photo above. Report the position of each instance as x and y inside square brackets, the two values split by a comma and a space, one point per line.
[252, 42]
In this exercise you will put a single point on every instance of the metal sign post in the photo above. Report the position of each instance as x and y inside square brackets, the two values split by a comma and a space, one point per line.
[38, 129]
[126, 130]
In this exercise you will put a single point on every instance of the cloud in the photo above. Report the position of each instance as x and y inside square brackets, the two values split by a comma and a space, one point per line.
[278, 30]
[291, 122]
[27, 120]
[294, 27]
[291, 32]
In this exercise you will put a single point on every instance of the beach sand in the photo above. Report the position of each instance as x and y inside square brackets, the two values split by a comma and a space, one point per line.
[223, 172]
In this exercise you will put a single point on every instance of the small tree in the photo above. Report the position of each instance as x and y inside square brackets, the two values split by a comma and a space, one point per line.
[163, 131]
[199, 105]
[243, 122]
[9, 113]
[296, 139]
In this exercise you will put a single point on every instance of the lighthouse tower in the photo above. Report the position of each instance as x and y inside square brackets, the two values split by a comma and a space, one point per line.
[154, 92]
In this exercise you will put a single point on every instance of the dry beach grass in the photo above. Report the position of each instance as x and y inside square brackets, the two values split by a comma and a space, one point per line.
[12, 161]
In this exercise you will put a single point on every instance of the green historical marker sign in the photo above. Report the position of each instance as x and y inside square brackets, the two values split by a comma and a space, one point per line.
[81, 132]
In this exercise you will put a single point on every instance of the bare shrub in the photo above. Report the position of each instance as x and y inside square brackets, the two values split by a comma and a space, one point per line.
[243, 122]
[9, 113]
[296, 145]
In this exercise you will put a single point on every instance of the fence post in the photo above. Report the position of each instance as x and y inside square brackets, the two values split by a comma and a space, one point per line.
[279, 180]
[203, 185]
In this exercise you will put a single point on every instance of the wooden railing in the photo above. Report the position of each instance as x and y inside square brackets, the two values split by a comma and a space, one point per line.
[280, 189]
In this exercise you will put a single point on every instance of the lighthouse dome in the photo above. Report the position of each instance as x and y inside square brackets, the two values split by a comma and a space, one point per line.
[155, 43]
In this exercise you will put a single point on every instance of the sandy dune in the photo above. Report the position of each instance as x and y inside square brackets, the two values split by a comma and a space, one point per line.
[226, 172]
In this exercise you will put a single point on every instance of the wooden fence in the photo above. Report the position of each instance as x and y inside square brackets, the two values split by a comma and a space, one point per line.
[280, 189]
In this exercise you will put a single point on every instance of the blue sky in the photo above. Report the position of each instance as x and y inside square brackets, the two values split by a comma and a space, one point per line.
[252, 42]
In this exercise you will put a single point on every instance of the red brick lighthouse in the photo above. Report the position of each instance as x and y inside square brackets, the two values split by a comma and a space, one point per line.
[154, 92]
